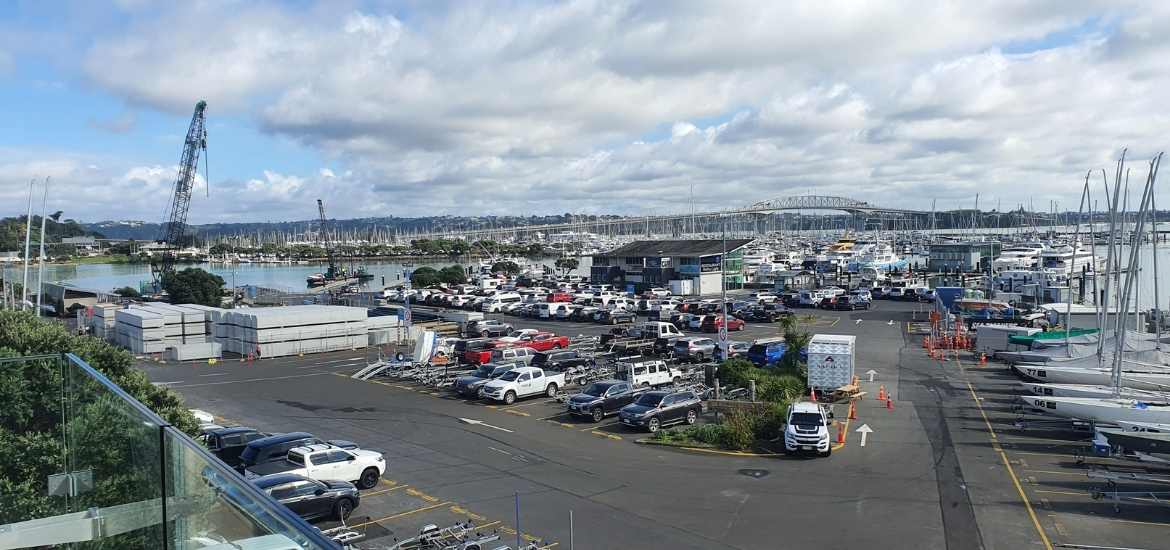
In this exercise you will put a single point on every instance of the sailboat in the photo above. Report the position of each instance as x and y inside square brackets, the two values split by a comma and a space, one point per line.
[1099, 391]
[1146, 437]
[1103, 410]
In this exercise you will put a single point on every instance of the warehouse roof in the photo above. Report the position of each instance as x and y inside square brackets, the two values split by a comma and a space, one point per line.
[696, 247]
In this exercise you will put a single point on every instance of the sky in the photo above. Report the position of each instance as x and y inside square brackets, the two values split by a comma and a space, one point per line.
[420, 108]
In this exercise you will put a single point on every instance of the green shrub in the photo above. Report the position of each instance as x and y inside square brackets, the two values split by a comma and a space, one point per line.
[711, 434]
[738, 431]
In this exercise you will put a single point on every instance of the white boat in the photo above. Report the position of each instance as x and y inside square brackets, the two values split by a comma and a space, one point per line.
[1098, 391]
[1139, 436]
[1106, 411]
[877, 256]
[1018, 257]
[1095, 377]
[1069, 259]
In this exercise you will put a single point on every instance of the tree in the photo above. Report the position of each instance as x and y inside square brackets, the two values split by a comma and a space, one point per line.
[127, 292]
[507, 266]
[567, 264]
[424, 277]
[96, 422]
[452, 275]
[219, 249]
[194, 286]
[795, 339]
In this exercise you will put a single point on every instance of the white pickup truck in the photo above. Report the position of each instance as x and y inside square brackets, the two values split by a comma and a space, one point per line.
[523, 382]
[807, 429]
[327, 462]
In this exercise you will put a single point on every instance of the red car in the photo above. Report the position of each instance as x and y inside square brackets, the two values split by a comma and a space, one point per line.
[711, 323]
[544, 341]
[481, 352]
[560, 297]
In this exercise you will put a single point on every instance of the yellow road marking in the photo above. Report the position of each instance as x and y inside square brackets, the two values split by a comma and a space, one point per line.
[382, 492]
[1008, 466]
[400, 515]
[517, 413]
[603, 434]
[422, 495]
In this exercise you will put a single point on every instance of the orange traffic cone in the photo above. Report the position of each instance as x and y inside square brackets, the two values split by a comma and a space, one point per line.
[982, 358]
[852, 411]
[812, 392]
[882, 393]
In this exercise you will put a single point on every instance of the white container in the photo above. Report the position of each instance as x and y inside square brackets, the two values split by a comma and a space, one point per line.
[993, 338]
[682, 287]
[831, 359]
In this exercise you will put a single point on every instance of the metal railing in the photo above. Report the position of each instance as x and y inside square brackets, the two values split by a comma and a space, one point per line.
[124, 477]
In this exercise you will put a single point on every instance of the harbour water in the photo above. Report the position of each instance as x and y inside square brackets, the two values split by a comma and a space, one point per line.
[289, 277]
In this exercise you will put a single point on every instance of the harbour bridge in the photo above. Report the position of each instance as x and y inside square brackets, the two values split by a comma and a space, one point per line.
[749, 219]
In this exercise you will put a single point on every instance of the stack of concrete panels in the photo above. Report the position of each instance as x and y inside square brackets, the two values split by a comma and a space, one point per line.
[140, 331]
[182, 324]
[292, 330]
[193, 352]
[102, 324]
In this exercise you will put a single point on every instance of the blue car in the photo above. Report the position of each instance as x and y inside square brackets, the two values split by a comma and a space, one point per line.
[766, 352]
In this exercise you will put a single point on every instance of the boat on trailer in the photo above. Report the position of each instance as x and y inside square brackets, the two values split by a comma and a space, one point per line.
[1105, 411]
[1098, 391]
[1141, 380]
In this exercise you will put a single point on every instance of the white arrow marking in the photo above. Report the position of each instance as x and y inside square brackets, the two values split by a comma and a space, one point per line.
[891, 323]
[858, 322]
[865, 430]
[484, 424]
[871, 372]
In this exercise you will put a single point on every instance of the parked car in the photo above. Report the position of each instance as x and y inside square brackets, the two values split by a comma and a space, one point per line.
[766, 352]
[695, 348]
[807, 429]
[544, 341]
[603, 398]
[849, 303]
[712, 323]
[653, 329]
[616, 317]
[560, 360]
[275, 447]
[511, 354]
[523, 382]
[310, 498]
[695, 322]
[469, 385]
[228, 443]
[655, 409]
[758, 314]
[828, 302]
[734, 349]
[323, 461]
[489, 327]
[645, 372]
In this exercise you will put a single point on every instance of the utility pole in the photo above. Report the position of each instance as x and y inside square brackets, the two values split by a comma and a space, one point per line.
[723, 291]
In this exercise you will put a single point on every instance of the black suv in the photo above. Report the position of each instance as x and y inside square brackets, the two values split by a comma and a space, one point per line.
[613, 317]
[655, 409]
[602, 398]
[228, 443]
[310, 498]
[559, 360]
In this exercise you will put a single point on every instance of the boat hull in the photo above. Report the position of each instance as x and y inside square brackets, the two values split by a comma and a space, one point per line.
[1106, 411]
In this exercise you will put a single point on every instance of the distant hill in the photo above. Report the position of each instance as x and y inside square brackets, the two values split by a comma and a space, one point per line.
[144, 231]
[12, 231]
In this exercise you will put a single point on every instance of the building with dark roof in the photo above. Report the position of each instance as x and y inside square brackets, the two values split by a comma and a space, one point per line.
[694, 264]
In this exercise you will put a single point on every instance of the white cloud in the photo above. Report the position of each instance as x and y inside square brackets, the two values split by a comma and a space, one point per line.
[473, 108]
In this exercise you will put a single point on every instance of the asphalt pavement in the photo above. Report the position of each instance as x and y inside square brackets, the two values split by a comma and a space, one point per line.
[922, 480]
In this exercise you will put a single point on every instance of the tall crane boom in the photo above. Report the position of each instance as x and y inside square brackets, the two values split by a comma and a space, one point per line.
[173, 232]
[326, 242]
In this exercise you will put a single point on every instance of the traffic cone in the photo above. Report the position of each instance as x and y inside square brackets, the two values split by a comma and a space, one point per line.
[882, 393]
[841, 434]
[812, 394]
[889, 403]
[982, 358]
[852, 411]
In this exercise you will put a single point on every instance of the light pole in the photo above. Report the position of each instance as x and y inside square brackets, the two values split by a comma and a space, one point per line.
[723, 290]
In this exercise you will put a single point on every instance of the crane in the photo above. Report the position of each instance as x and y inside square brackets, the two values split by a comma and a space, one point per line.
[172, 233]
[332, 273]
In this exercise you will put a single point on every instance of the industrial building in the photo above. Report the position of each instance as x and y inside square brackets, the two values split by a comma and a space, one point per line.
[686, 266]
[963, 256]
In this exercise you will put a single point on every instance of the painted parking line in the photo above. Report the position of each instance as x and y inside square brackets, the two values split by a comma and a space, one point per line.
[603, 434]
[1011, 471]
[246, 380]
[400, 515]
[599, 426]
[383, 491]
[515, 412]
[560, 414]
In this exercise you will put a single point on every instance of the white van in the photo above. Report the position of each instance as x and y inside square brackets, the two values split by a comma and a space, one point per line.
[495, 304]
[646, 373]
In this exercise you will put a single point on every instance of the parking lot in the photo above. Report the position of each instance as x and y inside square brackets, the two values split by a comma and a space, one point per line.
[929, 476]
